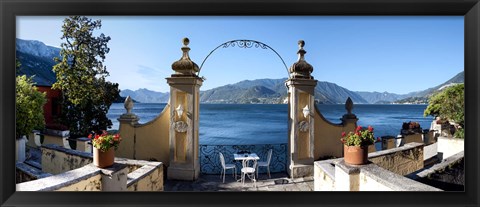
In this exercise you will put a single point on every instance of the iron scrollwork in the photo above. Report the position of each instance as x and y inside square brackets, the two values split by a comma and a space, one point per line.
[244, 44]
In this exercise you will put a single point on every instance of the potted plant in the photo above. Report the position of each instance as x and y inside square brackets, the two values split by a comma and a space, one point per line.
[356, 145]
[103, 148]
[55, 129]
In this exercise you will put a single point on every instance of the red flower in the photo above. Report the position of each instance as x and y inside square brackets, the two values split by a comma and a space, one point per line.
[90, 136]
[358, 128]
[370, 128]
[378, 139]
[97, 136]
[344, 134]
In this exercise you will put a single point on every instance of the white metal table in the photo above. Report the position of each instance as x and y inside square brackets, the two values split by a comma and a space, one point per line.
[244, 156]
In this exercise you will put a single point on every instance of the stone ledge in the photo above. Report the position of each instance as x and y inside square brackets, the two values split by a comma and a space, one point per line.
[440, 166]
[394, 181]
[141, 173]
[394, 150]
[328, 167]
[56, 182]
[68, 151]
[32, 171]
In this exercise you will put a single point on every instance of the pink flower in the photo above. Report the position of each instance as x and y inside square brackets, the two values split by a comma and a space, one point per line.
[90, 136]
[358, 128]
[344, 134]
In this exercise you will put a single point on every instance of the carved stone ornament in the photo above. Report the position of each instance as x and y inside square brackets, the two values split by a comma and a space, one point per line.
[180, 126]
[349, 105]
[301, 69]
[185, 66]
[128, 104]
[303, 126]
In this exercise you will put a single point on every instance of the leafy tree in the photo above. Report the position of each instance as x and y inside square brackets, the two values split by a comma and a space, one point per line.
[28, 106]
[87, 96]
[17, 66]
[449, 104]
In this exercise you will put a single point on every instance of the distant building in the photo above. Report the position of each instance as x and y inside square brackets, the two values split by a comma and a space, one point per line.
[52, 109]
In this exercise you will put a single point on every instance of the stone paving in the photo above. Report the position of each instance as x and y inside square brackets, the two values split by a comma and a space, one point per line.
[277, 182]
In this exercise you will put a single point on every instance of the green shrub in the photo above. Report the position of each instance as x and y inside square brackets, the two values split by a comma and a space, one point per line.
[28, 107]
[449, 104]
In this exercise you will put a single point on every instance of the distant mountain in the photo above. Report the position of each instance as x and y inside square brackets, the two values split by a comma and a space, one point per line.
[380, 98]
[274, 91]
[422, 96]
[37, 59]
[144, 95]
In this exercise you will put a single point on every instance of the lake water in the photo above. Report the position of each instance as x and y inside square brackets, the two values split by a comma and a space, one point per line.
[237, 124]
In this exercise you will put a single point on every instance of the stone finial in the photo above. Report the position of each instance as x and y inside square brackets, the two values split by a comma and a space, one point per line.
[186, 41]
[301, 69]
[128, 104]
[185, 66]
[301, 52]
[349, 105]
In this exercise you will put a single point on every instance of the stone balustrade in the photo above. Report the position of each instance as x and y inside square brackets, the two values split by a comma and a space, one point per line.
[384, 172]
[71, 170]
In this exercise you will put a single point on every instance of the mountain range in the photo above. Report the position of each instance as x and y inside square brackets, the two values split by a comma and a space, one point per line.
[37, 59]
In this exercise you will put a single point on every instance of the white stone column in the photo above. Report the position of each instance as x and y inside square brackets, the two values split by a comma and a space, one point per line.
[184, 118]
[301, 90]
[20, 149]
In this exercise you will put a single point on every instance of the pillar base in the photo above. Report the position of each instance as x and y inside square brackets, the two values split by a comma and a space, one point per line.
[300, 171]
[178, 173]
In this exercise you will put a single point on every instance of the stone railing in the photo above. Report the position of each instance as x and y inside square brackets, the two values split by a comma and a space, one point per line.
[447, 175]
[384, 172]
[210, 161]
[72, 170]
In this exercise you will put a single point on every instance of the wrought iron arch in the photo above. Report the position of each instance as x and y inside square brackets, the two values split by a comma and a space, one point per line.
[243, 44]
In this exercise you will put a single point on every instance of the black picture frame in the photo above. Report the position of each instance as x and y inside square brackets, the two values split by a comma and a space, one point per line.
[9, 9]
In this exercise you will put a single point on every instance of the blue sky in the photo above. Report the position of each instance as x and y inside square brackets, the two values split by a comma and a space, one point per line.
[368, 53]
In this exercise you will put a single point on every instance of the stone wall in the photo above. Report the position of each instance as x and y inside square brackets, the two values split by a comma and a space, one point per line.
[449, 146]
[149, 141]
[56, 159]
[335, 175]
[73, 171]
[26, 173]
[327, 136]
[402, 160]
[447, 175]
[87, 178]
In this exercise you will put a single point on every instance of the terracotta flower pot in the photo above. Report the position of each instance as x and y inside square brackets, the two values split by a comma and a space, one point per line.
[103, 159]
[355, 155]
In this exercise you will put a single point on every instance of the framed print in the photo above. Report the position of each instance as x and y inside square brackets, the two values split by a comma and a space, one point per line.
[220, 82]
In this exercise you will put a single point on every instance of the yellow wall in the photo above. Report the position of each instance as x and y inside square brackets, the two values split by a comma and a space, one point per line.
[327, 136]
[153, 138]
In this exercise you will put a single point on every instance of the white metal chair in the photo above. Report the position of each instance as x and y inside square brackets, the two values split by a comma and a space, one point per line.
[249, 166]
[226, 167]
[266, 163]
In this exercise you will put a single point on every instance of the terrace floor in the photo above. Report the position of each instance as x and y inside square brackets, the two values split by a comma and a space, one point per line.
[277, 182]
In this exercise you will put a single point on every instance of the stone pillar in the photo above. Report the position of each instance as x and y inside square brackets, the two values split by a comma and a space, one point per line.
[20, 149]
[114, 178]
[127, 122]
[301, 90]
[184, 118]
